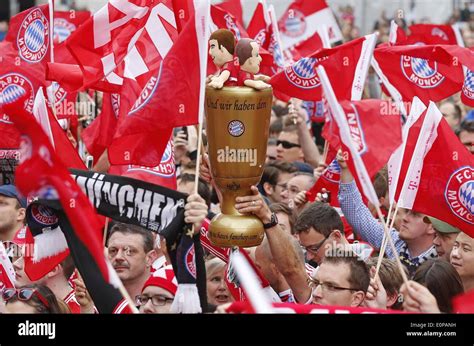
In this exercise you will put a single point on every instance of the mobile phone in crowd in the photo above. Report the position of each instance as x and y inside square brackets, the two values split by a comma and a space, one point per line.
[326, 197]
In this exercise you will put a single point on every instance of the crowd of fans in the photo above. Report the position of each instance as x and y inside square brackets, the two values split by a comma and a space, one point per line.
[299, 257]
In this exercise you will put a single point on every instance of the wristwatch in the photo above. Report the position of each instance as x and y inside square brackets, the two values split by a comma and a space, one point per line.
[273, 222]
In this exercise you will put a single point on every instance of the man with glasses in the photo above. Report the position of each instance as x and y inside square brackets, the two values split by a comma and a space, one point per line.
[288, 145]
[274, 180]
[158, 292]
[299, 182]
[320, 230]
[340, 281]
[131, 252]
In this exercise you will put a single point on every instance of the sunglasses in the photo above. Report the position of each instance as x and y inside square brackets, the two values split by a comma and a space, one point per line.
[23, 294]
[288, 145]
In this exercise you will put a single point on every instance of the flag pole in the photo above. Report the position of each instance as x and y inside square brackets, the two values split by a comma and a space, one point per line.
[392, 246]
[384, 242]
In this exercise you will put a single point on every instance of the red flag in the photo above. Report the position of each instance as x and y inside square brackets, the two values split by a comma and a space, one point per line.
[173, 97]
[447, 173]
[29, 33]
[99, 134]
[301, 20]
[62, 145]
[464, 303]
[375, 130]
[183, 11]
[467, 91]
[411, 73]
[258, 28]
[346, 66]
[433, 34]
[66, 22]
[305, 48]
[7, 272]
[328, 180]
[163, 174]
[234, 7]
[224, 20]
[79, 222]
[103, 41]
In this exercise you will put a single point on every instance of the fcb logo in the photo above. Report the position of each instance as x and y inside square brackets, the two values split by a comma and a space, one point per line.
[33, 37]
[333, 172]
[166, 168]
[293, 25]
[191, 262]
[43, 215]
[421, 72]
[14, 86]
[459, 193]
[468, 86]
[261, 37]
[236, 128]
[58, 92]
[146, 93]
[229, 22]
[302, 74]
[62, 29]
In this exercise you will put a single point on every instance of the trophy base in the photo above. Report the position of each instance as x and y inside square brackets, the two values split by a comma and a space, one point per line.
[236, 230]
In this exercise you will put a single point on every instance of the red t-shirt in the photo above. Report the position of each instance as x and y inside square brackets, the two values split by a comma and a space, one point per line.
[243, 76]
[234, 73]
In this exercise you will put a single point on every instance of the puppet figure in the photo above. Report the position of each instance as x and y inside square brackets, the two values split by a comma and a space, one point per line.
[246, 51]
[221, 50]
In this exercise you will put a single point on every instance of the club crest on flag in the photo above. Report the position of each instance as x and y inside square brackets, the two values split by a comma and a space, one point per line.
[468, 86]
[147, 92]
[261, 37]
[303, 74]
[26, 148]
[43, 215]
[62, 29]
[421, 72]
[166, 168]
[440, 33]
[190, 261]
[14, 86]
[332, 172]
[294, 25]
[33, 37]
[459, 193]
[229, 22]
[58, 92]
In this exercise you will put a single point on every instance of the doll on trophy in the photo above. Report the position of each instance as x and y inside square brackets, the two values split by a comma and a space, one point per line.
[246, 51]
[221, 50]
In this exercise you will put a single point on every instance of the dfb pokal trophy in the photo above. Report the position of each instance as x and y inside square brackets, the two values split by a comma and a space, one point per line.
[237, 127]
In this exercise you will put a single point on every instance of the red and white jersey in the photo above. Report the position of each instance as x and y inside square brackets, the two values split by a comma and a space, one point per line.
[72, 303]
[287, 296]
[233, 69]
[243, 76]
[122, 308]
